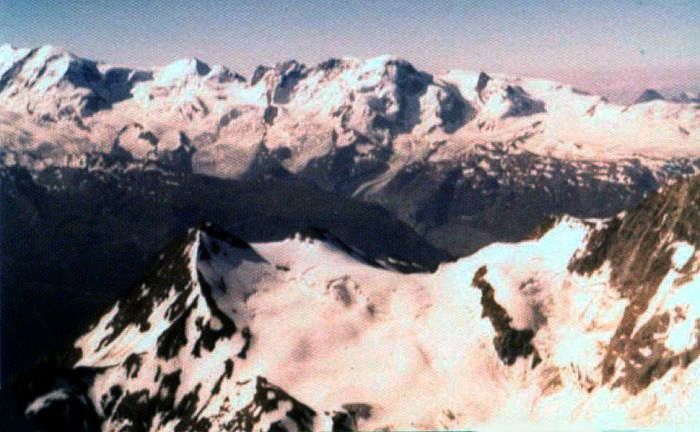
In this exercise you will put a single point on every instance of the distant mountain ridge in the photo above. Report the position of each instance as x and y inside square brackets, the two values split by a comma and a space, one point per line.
[456, 156]
[299, 114]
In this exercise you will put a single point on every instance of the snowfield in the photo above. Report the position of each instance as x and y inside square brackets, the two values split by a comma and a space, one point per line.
[402, 351]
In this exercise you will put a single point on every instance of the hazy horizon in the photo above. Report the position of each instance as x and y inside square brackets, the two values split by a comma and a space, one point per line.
[616, 49]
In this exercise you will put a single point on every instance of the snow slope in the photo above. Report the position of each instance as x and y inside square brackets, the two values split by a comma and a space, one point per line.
[588, 324]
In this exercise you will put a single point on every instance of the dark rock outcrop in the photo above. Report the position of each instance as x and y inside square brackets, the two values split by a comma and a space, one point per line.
[510, 343]
[649, 95]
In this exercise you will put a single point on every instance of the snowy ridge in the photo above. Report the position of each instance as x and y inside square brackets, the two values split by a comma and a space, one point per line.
[58, 105]
[555, 332]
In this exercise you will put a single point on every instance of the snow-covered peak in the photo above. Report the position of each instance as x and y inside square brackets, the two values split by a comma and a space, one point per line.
[43, 67]
[7, 47]
[222, 74]
[554, 330]
[180, 71]
[381, 63]
[50, 84]
[9, 55]
[206, 272]
[278, 72]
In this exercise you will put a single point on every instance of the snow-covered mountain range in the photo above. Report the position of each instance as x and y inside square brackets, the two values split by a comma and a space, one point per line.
[589, 324]
[589, 320]
[309, 112]
[445, 153]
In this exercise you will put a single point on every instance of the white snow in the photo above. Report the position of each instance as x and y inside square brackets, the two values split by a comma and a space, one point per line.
[340, 102]
[683, 252]
[677, 296]
[180, 71]
[331, 330]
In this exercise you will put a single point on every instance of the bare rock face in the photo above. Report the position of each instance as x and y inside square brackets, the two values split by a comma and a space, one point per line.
[649, 95]
[483, 80]
[640, 250]
[509, 343]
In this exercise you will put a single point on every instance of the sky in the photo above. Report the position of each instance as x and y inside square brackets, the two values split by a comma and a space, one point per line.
[608, 47]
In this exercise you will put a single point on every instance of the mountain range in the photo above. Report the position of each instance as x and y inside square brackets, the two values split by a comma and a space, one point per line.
[464, 158]
[454, 231]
